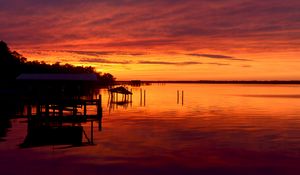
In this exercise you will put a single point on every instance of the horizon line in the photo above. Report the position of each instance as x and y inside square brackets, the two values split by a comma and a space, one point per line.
[215, 81]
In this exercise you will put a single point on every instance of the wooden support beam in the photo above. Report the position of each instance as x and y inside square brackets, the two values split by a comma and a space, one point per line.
[84, 109]
[92, 132]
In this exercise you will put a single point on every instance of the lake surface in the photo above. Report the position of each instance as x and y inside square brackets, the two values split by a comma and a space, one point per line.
[212, 129]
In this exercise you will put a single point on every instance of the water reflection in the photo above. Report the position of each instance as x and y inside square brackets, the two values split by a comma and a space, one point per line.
[218, 126]
[218, 130]
[8, 108]
[5, 124]
[142, 97]
[274, 95]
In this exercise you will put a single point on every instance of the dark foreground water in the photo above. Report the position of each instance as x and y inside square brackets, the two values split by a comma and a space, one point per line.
[213, 129]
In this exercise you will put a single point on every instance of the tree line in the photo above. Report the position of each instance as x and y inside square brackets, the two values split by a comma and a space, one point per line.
[13, 64]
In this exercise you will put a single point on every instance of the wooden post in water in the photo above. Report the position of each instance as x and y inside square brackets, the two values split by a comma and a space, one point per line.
[144, 97]
[130, 95]
[182, 97]
[92, 132]
[84, 109]
[99, 112]
[100, 124]
[99, 107]
[141, 97]
[177, 96]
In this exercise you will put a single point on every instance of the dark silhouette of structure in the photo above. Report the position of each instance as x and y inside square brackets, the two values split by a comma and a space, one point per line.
[115, 101]
[55, 99]
[58, 120]
[56, 84]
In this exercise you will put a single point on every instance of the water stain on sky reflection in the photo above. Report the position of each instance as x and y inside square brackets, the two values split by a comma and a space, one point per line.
[219, 129]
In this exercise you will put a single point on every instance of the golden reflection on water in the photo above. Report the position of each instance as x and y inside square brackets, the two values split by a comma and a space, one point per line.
[230, 128]
[214, 99]
[244, 117]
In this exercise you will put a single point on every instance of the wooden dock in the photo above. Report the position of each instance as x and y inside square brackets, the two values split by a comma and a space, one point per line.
[62, 108]
[58, 120]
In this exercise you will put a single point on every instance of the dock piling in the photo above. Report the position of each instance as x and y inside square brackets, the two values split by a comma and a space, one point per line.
[182, 97]
[144, 97]
[99, 106]
[178, 97]
[92, 132]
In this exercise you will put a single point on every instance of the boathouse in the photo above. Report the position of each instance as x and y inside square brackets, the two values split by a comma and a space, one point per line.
[55, 84]
[125, 99]
[56, 105]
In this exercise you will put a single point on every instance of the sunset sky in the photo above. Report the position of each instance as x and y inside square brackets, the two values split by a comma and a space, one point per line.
[160, 39]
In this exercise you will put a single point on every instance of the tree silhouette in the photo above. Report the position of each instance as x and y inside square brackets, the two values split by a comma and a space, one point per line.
[13, 64]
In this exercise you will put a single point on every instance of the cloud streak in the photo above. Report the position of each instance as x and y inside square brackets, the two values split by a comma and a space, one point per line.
[170, 63]
[154, 62]
[218, 57]
[104, 61]
[101, 53]
[183, 63]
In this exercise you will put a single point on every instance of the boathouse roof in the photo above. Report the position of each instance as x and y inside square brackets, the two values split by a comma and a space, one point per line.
[65, 77]
[120, 89]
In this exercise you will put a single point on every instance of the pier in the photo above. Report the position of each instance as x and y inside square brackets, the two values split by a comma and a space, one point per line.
[56, 105]
[68, 108]
[59, 120]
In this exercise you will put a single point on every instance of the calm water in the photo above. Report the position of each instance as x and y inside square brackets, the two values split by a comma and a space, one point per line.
[213, 129]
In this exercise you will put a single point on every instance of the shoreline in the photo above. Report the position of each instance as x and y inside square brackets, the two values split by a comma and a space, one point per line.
[296, 82]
